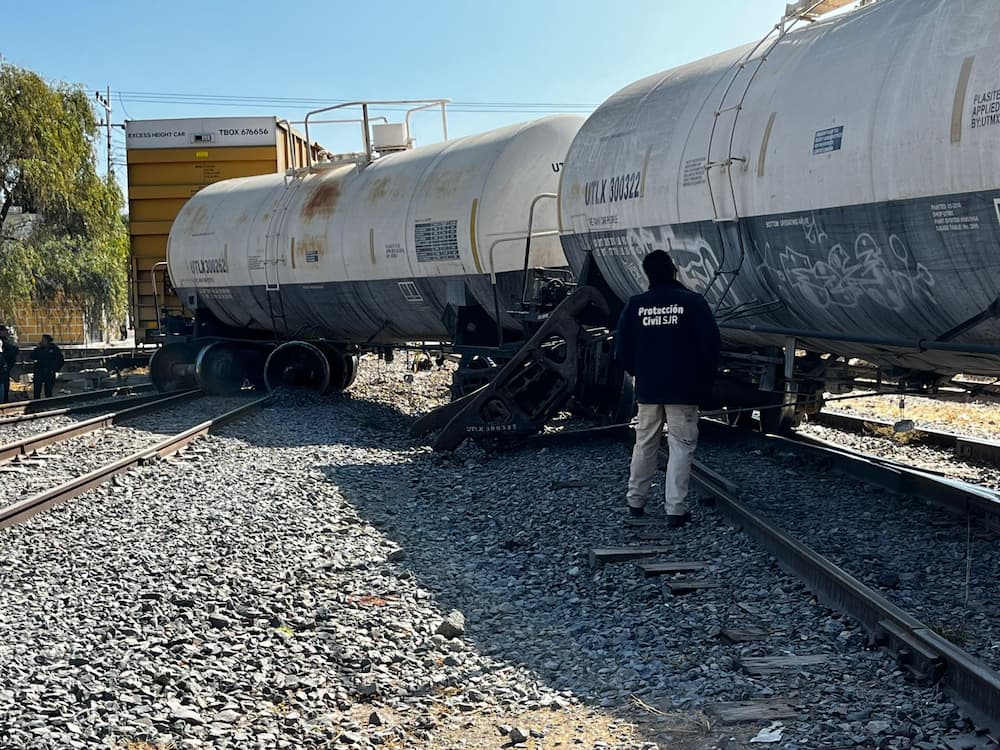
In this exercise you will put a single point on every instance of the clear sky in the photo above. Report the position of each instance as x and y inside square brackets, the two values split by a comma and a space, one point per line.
[500, 62]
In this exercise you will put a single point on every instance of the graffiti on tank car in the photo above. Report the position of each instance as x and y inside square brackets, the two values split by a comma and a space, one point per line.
[821, 272]
[849, 274]
[695, 258]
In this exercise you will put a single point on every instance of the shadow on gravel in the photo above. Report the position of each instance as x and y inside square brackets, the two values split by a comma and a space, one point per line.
[505, 538]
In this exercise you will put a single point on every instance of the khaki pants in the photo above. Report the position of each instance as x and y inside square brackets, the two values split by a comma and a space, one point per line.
[682, 438]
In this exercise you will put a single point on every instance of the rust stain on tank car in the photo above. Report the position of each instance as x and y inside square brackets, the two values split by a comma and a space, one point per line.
[445, 183]
[199, 221]
[379, 189]
[323, 201]
[309, 249]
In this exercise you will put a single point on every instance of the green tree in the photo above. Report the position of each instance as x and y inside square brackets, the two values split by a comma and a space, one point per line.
[78, 247]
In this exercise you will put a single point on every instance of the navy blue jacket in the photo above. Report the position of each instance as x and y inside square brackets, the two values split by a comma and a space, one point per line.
[668, 339]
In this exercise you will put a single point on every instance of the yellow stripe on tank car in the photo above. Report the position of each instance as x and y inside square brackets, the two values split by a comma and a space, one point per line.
[958, 108]
[642, 177]
[472, 235]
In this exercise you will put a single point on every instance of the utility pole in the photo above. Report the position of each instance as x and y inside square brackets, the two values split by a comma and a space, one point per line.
[105, 101]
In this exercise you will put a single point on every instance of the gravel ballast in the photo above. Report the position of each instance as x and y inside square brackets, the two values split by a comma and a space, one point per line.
[313, 577]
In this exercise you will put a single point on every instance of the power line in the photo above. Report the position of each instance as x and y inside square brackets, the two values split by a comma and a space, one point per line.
[231, 101]
[310, 100]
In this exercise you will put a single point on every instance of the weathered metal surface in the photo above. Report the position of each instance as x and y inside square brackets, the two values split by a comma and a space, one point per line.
[863, 160]
[375, 254]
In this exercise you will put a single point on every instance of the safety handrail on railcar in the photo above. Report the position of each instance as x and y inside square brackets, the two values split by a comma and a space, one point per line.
[420, 104]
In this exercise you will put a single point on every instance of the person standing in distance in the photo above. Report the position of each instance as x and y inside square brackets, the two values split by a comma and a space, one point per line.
[48, 360]
[9, 354]
[668, 339]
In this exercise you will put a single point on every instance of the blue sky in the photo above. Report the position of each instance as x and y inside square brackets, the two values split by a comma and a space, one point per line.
[173, 59]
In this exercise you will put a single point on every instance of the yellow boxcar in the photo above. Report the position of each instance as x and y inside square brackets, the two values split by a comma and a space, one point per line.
[168, 162]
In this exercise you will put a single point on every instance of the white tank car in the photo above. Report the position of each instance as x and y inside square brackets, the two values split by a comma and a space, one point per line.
[841, 186]
[372, 254]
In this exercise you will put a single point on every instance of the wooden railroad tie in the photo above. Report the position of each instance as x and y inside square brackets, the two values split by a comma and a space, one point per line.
[745, 635]
[601, 556]
[651, 569]
[773, 664]
[681, 586]
[740, 712]
[645, 521]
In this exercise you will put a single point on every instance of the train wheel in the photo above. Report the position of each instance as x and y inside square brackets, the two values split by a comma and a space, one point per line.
[297, 364]
[172, 367]
[343, 368]
[351, 364]
[223, 368]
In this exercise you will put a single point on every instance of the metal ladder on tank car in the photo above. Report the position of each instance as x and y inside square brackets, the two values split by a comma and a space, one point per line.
[729, 227]
[272, 279]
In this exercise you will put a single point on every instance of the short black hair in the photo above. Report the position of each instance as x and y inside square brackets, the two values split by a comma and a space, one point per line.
[47, 337]
[659, 268]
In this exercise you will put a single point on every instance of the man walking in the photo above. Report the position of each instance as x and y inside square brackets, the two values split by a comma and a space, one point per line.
[668, 339]
[48, 361]
[9, 359]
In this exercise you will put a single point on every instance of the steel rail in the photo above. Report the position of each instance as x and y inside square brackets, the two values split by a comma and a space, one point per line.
[35, 405]
[953, 495]
[87, 408]
[25, 509]
[965, 447]
[917, 647]
[25, 446]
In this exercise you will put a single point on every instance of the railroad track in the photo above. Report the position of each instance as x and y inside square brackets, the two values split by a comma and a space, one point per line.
[14, 450]
[967, 670]
[74, 401]
[963, 446]
[970, 678]
[27, 507]
[90, 407]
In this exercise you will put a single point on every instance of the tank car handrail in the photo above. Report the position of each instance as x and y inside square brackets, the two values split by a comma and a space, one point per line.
[527, 242]
[493, 272]
[500, 240]
[432, 105]
[289, 150]
[294, 169]
[366, 119]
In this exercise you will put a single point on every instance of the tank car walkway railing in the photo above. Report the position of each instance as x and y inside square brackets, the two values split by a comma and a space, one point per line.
[416, 105]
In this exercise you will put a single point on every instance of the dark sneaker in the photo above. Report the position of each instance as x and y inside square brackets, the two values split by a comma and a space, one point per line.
[636, 512]
[678, 522]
